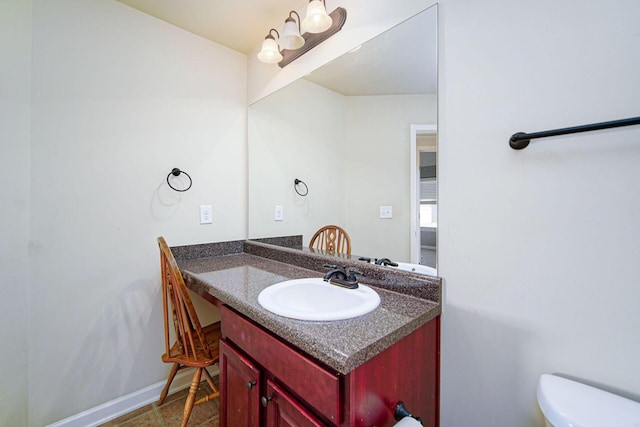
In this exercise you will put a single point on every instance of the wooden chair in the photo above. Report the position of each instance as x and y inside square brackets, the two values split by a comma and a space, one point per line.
[195, 346]
[332, 239]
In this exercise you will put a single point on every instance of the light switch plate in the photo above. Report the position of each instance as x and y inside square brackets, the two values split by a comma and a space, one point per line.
[206, 214]
[279, 213]
[386, 212]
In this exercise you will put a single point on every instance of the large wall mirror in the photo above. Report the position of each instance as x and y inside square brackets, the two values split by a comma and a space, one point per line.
[361, 133]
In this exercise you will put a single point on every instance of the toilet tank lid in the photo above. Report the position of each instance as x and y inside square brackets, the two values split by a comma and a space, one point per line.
[568, 403]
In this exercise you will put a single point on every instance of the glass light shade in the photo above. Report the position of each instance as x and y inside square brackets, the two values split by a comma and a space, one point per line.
[290, 38]
[270, 52]
[317, 19]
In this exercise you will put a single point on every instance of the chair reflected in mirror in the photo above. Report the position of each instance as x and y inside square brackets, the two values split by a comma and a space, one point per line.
[332, 239]
[194, 346]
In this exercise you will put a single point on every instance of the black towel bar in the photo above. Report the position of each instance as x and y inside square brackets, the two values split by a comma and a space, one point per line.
[521, 140]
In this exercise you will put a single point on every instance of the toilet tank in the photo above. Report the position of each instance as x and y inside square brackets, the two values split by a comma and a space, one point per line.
[567, 403]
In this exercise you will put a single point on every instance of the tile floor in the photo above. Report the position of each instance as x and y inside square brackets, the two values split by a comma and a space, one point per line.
[170, 413]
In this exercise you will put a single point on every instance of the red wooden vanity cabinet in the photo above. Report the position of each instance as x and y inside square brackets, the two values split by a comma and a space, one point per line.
[265, 381]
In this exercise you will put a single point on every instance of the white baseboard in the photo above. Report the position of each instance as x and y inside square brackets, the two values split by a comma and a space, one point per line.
[123, 405]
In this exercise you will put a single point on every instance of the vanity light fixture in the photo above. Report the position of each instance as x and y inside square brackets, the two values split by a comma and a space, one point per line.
[270, 53]
[318, 27]
[291, 38]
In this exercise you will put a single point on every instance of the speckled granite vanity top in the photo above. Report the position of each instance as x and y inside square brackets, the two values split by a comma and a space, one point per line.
[236, 272]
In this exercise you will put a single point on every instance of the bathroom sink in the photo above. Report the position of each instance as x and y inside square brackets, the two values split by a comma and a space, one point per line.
[315, 299]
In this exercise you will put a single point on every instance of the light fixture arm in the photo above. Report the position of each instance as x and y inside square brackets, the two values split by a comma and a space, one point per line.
[298, 21]
[269, 36]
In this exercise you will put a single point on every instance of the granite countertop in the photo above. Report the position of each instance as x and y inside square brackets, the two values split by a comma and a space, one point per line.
[236, 279]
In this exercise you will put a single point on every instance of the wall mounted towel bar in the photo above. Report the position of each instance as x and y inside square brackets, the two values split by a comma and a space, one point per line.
[521, 140]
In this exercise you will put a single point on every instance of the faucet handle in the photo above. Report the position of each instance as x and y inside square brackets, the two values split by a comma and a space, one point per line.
[330, 266]
[386, 261]
[353, 273]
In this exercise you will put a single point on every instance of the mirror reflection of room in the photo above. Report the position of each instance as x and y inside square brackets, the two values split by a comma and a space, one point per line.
[345, 131]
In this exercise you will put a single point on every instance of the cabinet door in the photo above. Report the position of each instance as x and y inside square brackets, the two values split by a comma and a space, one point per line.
[300, 374]
[284, 411]
[240, 383]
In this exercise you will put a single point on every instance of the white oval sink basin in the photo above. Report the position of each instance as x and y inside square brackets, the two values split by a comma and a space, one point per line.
[315, 299]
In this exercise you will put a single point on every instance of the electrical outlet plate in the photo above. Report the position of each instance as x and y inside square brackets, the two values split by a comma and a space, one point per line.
[386, 212]
[206, 214]
[279, 213]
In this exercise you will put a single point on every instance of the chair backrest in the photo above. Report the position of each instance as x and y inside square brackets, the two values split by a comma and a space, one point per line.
[331, 238]
[186, 325]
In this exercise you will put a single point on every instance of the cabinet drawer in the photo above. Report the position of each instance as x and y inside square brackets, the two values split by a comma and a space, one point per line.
[312, 383]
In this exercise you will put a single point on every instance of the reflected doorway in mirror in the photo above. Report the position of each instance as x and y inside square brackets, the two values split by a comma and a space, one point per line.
[424, 199]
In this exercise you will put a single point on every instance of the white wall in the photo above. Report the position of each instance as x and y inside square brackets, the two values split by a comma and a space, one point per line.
[15, 76]
[119, 99]
[289, 138]
[538, 248]
[377, 145]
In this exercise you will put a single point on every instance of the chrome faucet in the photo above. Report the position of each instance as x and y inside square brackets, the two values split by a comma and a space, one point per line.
[345, 277]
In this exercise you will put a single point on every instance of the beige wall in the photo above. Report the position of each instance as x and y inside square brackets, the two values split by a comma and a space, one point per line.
[119, 99]
[15, 115]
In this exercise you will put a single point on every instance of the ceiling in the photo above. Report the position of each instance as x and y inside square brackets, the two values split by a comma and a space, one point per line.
[400, 61]
[240, 25]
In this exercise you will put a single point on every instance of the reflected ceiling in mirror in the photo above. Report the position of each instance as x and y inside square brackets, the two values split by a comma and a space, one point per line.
[401, 61]
[345, 131]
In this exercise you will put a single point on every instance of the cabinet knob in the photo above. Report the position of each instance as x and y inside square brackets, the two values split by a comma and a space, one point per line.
[265, 400]
[250, 384]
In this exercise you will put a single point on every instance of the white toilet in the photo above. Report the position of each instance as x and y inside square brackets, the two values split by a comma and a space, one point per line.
[567, 403]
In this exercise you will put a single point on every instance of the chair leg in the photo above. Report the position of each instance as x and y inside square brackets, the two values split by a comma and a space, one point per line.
[188, 406]
[210, 380]
[210, 396]
[165, 390]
